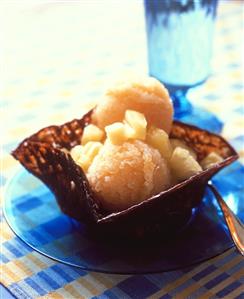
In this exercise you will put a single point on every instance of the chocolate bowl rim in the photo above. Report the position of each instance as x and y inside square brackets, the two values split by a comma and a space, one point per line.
[209, 133]
[104, 218]
[89, 113]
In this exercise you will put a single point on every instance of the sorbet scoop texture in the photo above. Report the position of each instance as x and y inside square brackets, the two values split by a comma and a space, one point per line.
[124, 175]
[146, 95]
[126, 151]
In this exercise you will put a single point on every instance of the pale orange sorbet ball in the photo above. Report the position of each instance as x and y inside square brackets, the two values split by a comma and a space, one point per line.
[146, 95]
[124, 175]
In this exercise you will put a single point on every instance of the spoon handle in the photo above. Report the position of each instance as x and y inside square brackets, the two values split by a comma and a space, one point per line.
[235, 226]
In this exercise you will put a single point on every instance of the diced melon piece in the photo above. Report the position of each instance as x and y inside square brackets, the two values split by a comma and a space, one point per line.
[75, 152]
[88, 153]
[91, 133]
[91, 149]
[129, 131]
[116, 133]
[183, 165]
[159, 139]
[84, 162]
[137, 122]
[180, 143]
[210, 160]
[83, 155]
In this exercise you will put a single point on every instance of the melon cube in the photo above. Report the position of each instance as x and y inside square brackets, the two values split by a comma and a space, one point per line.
[83, 155]
[84, 162]
[76, 152]
[116, 133]
[210, 160]
[183, 165]
[180, 143]
[91, 149]
[138, 123]
[159, 139]
[88, 153]
[92, 133]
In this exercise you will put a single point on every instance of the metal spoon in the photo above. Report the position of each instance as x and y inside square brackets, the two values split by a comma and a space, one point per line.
[235, 226]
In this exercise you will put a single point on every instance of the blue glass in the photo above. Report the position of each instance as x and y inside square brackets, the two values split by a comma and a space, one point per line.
[179, 42]
[33, 214]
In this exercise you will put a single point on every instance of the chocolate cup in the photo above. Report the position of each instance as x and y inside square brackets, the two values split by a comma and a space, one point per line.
[45, 155]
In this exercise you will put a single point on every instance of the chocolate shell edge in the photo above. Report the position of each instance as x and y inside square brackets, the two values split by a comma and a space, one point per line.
[44, 154]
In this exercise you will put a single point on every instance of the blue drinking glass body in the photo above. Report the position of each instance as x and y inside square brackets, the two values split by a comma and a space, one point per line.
[179, 42]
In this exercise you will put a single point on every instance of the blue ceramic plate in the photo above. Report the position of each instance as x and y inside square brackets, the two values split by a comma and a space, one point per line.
[33, 214]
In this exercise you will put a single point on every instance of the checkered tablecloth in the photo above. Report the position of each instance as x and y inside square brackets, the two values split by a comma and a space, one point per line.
[56, 60]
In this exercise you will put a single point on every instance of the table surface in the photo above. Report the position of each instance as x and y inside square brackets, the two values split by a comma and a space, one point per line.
[57, 58]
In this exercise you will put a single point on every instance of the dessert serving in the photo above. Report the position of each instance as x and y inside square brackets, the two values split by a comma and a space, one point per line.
[126, 167]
